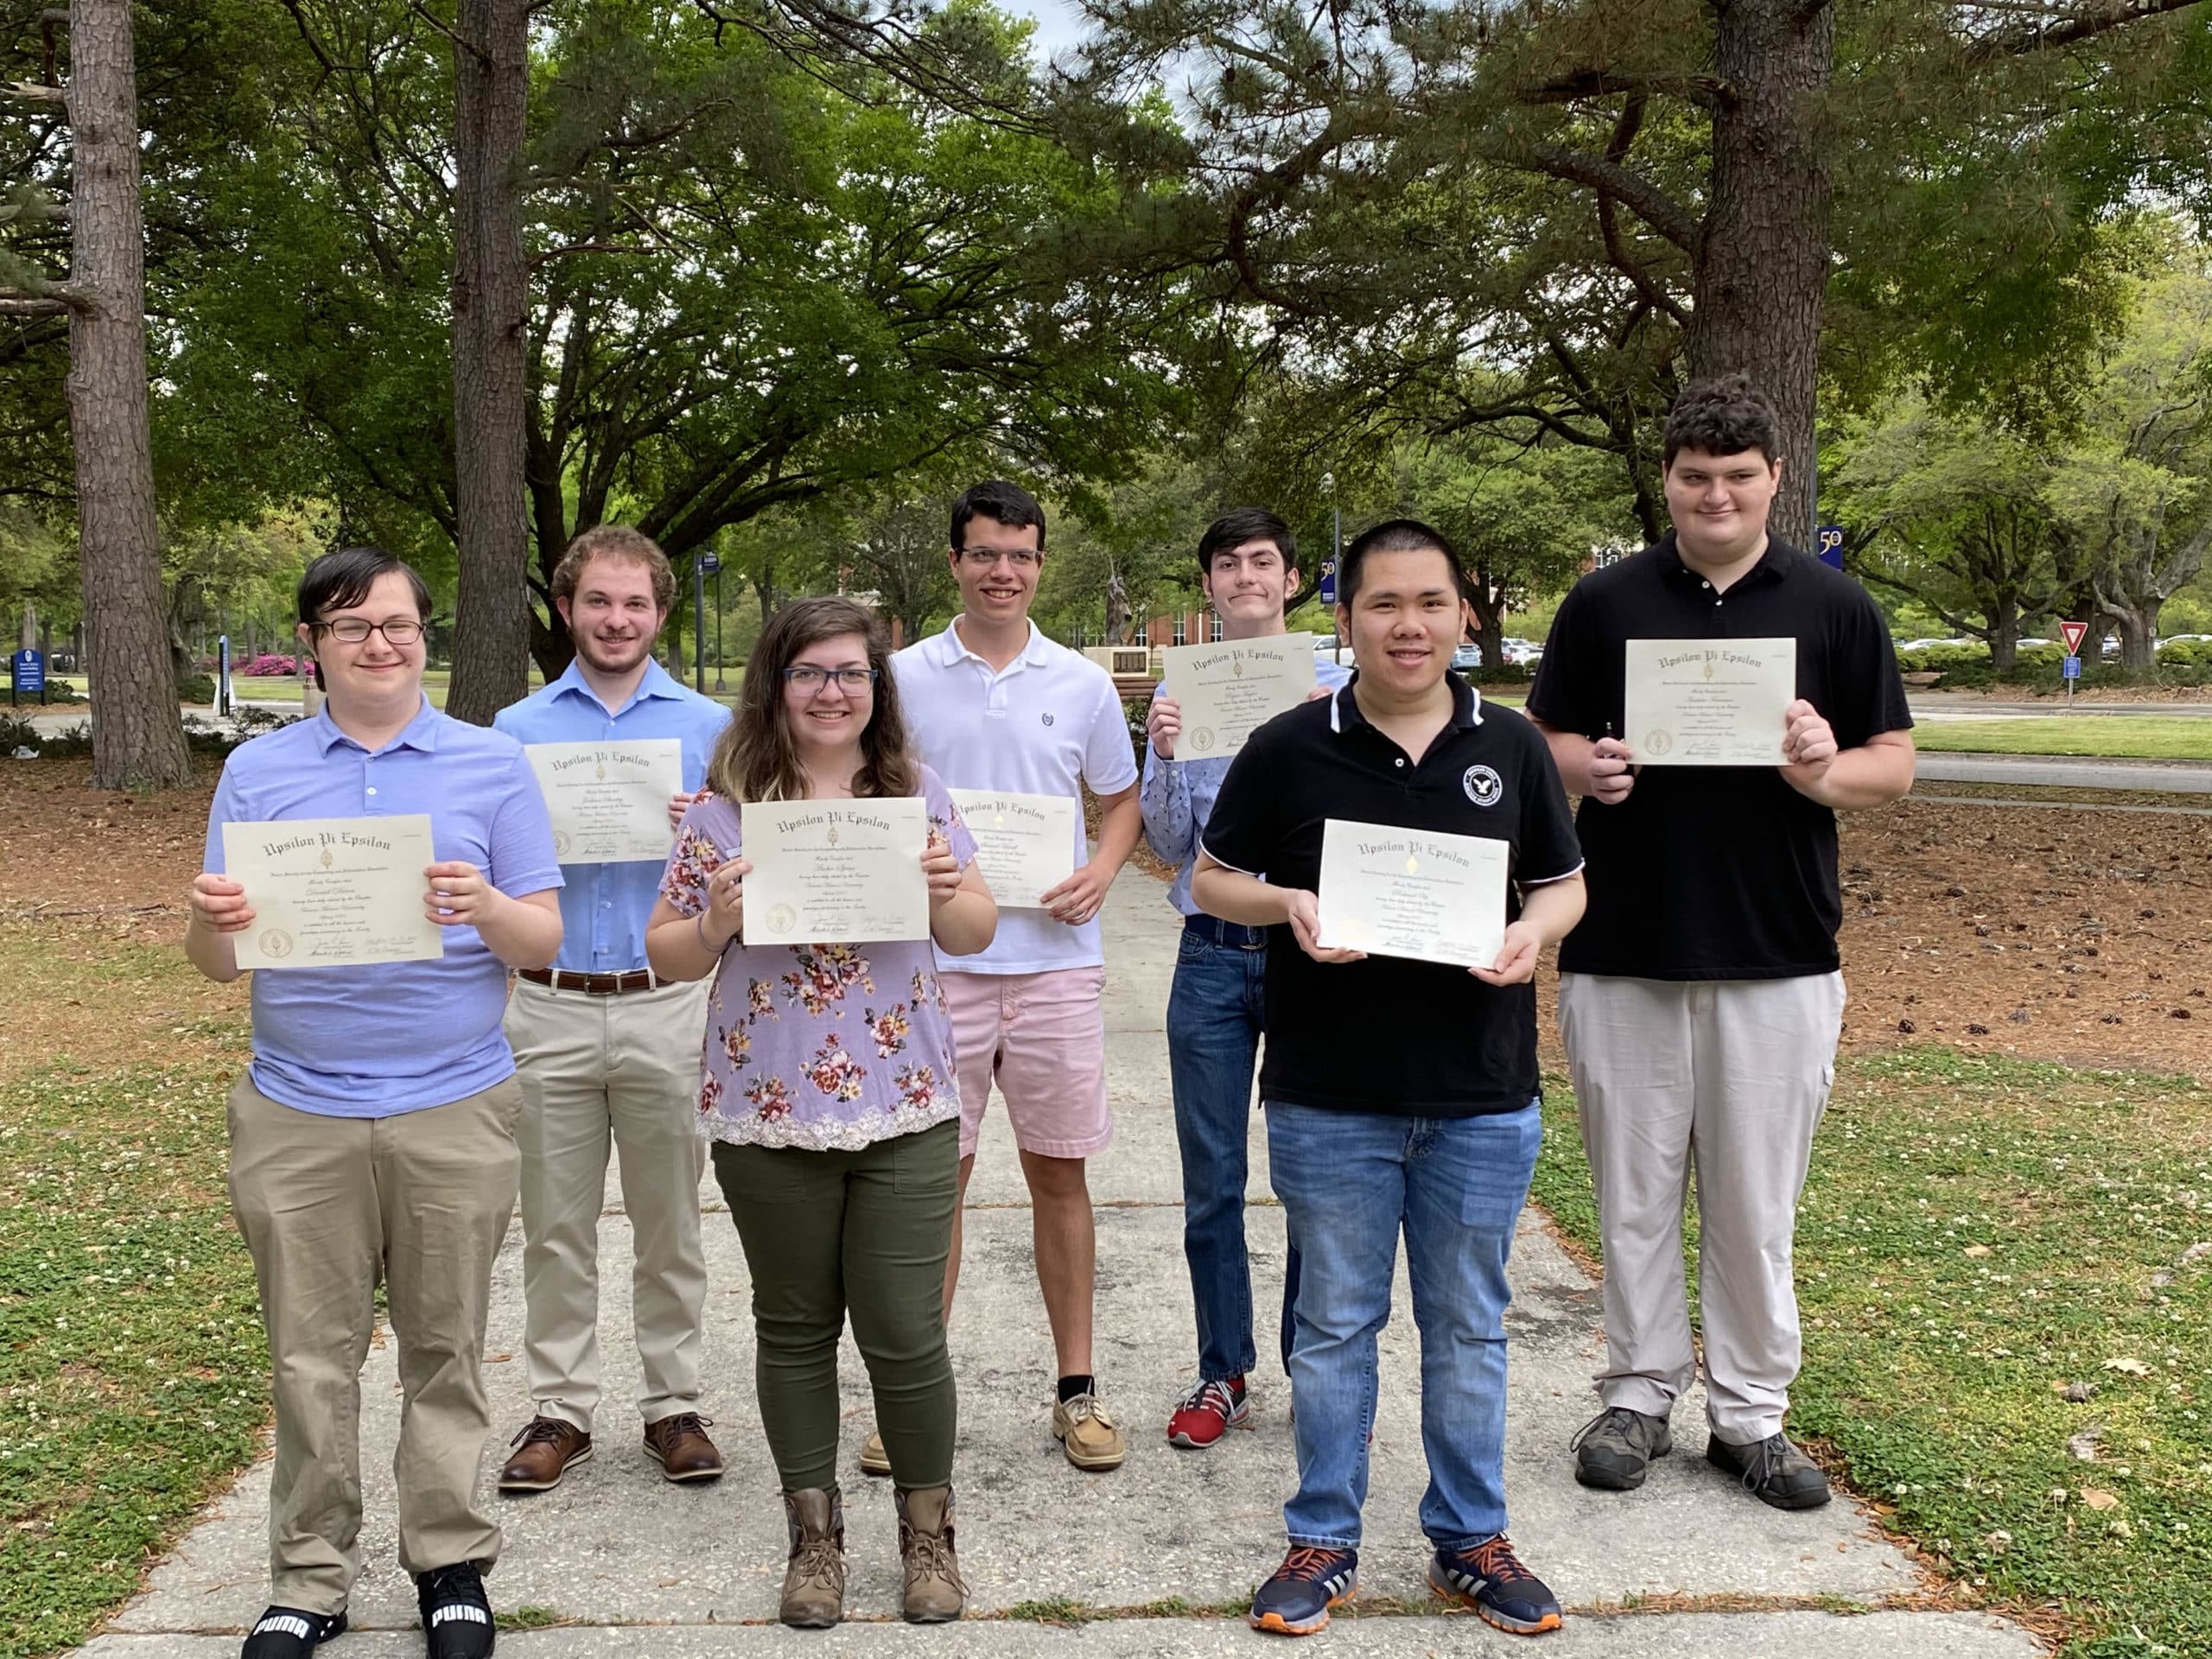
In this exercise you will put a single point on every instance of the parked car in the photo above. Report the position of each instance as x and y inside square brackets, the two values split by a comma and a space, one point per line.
[1521, 652]
[1468, 658]
[1923, 645]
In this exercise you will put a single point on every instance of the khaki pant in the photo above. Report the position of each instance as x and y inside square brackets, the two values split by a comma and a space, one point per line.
[622, 1070]
[328, 1206]
[1731, 1078]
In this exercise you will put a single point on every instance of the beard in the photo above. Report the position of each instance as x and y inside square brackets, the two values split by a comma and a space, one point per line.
[614, 657]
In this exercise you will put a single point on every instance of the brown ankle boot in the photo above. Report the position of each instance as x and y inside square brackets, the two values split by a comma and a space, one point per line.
[935, 1593]
[814, 1583]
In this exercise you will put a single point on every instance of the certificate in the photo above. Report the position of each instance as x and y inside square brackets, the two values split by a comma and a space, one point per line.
[835, 872]
[609, 801]
[1025, 844]
[334, 892]
[1709, 703]
[1228, 690]
[1412, 893]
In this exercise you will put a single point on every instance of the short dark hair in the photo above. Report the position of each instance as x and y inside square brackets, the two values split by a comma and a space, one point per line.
[1234, 529]
[1725, 416]
[995, 500]
[1395, 536]
[334, 581]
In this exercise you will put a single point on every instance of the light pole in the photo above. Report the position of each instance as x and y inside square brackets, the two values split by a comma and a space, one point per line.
[719, 686]
[1328, 594]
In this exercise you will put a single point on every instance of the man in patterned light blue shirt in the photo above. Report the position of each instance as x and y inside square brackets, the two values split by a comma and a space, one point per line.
[608, 1054]
[1247, 568]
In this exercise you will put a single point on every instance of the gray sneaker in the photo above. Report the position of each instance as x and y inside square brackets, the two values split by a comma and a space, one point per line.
[1773, 1470]
[1615, 1447]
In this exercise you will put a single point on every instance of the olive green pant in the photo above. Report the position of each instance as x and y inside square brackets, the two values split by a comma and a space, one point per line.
[826, 1233]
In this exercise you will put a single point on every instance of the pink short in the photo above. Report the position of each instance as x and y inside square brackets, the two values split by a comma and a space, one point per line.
[1043, 1037]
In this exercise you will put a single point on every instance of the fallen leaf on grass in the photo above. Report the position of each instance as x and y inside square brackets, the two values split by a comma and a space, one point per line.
[2082, 1447]
[2098, 1499]
[1977, 1250]
[2128, 1367]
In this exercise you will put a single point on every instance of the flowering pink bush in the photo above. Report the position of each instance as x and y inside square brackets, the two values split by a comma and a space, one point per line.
[267, 662]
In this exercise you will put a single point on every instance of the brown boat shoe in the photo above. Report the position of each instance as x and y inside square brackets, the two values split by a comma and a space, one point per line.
[546, 1448]
[680, 1445]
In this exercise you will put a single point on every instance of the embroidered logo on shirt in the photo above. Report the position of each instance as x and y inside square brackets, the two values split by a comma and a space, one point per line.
[1483, 786]
[1048, 719]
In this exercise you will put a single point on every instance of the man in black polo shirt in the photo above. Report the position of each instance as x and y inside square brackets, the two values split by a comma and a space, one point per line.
[1701, 999]
[1399, 1095]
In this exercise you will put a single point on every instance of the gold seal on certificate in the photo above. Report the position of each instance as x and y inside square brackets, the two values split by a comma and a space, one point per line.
[1227, 691]
[1413, 893]
[333, 893]
[1025, 844]
[1709, 703]
[609, 801]
[835, 872]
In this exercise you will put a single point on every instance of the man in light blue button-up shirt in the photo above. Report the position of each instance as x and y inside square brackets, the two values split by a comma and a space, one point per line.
[1247, 568]
[374, 1138]
[607, 1054]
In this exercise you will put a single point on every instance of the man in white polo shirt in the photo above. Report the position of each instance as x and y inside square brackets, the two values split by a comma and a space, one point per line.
[993, 705]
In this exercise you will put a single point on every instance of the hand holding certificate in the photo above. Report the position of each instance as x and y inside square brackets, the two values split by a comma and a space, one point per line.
[1710, 702]
[1227, 691]
[1025, 844]
[609, 801]
[1431, 897]
[835, 872]
[335, 893]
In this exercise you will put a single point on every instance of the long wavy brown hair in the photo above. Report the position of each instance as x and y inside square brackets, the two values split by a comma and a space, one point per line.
[755, 758]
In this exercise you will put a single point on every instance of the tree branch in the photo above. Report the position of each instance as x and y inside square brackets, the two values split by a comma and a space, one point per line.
[1711, 91]
[2081, 25]
[1643, 198]
[11, 308]
[32, 92]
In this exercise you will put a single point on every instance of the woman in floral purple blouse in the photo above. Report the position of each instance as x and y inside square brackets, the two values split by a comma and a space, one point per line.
[828, 1088]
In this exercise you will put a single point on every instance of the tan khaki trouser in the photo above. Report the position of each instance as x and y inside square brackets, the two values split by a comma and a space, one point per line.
[598, 1070]
[1730, 1076]
[328, 1206]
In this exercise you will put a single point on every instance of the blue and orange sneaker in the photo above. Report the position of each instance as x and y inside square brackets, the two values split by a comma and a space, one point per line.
[1310, 1581]
[1489, 1578]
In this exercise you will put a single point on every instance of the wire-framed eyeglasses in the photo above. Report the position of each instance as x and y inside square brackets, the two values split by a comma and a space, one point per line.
[352, 630]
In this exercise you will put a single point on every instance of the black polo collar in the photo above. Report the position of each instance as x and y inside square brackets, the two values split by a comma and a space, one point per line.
[1775, 564]
[1345, 714]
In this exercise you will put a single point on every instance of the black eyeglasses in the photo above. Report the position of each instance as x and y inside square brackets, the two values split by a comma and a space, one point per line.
[810, 679]
[1021, 558]
[400, 631]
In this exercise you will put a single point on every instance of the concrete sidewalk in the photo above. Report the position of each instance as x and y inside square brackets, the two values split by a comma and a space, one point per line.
[1136, 1562]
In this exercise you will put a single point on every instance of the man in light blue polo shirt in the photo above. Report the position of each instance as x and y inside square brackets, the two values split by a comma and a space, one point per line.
[608, 1054]
[373, 1138]
[1247, 569]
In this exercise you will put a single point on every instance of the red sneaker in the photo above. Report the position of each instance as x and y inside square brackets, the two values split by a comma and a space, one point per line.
[1207, 1412]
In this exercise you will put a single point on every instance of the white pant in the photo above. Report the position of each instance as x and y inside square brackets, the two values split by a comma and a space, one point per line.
[595, 1070]
[1729, 1076]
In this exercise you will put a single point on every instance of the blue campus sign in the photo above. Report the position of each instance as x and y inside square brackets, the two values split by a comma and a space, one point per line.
[1828, 543]
[1328, 588]
[29, 672]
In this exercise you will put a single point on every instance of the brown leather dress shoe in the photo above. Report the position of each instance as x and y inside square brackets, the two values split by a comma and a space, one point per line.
[545, 1449]
[680, 1445]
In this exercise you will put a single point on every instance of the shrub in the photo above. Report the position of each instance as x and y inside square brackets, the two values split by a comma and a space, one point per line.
[268, 663]
[196, 688]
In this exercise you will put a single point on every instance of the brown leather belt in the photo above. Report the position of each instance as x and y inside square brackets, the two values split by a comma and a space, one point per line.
[562, 979]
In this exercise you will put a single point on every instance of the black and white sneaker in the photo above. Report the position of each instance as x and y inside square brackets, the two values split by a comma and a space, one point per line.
[290, 1633]
[456, 1613]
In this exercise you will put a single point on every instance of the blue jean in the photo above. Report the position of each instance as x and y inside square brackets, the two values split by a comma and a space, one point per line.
[1213, 1041]
[1349, 1182]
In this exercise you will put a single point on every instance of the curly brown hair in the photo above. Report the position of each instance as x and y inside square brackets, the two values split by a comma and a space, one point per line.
[755, 758]
[615, 542]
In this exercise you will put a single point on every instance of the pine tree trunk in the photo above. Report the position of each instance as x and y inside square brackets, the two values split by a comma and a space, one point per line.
[137, 732]
[491, 649]
[1763, 265]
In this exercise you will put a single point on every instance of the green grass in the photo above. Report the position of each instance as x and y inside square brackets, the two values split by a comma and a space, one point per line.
[133, 1374]
[1977, 1234]
[2140, 737]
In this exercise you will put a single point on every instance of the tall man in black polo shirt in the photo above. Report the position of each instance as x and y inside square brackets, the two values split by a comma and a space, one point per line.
[1701, 999]
[1399, 1095]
